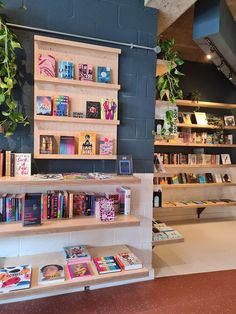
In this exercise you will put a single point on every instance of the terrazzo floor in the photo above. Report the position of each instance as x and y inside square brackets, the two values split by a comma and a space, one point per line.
[209, 293]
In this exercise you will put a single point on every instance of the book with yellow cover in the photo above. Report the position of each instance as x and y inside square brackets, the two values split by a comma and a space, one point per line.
[87, 143]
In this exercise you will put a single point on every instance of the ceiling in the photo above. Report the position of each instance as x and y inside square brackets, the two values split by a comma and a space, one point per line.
[232, 6]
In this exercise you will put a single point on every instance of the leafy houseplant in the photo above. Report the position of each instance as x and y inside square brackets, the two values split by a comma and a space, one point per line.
[10, 116]
[168, 83]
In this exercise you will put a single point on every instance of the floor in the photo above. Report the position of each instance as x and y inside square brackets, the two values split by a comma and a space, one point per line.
[200, 293]
[208, 246]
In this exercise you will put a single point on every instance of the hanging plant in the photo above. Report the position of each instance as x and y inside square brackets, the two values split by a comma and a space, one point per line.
[10, 116]
[168, 83]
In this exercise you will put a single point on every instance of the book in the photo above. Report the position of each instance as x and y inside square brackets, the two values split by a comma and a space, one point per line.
[79, 270]
[87, 143]
[125, 199]
[209, 178]
[218, 178]
[93, 110]
[61, 106]
[1, 163]
[192, 178]
[76, 254]
[106, 265]
[15, 278]
[65, 70]
[128, 261]
[157, 198]
[51, 273]
[201, 178]
[46, 65]
[186, 118]
[105, 209]
[225, 159]
[229, 120]
[103, 74]
[105, 146]
[200, 117]
[67, 145]
[44, 105]
[31, 214]
[174, 179]
[47, 144]
[85, 72]
[109, 109]
[7, 163]
[226, 178]
[22, 164]
[48, 176]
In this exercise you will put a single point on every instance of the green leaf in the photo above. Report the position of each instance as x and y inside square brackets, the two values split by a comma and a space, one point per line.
[6, 114]
[2, 98]
[15, 45]
[178, 72]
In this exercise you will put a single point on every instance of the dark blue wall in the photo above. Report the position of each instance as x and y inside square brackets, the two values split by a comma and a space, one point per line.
[119, 20]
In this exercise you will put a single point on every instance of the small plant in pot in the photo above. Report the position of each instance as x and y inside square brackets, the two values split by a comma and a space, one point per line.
[10, 116]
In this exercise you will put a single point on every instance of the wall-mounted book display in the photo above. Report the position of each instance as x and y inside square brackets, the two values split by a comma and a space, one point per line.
[75, 96]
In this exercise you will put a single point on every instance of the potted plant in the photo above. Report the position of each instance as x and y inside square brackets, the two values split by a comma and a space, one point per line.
[168, 83]
[10, 116]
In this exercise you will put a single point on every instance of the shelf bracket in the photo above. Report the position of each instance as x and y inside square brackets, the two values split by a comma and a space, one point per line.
[199, 211]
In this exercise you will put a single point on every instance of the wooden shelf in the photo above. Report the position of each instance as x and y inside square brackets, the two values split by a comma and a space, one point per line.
[52, 258]
[168, 241]
[197, 166]
[75, 120]
[161, 67]
[189, 103]
[222, 204]
[84, 84]
[156, 143]
[31, 181]
[203, 126]
[195, 185]
[62, 156]
[66, 225]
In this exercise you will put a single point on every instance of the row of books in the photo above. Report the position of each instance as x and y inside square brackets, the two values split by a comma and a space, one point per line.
[183, 178]
[87, 144]
[81, 267]
[106, 109]
[68, 70]
[31, 208]
[204, 118]
[15, 164]
[198, 202]
[188, 137]
[162, 232]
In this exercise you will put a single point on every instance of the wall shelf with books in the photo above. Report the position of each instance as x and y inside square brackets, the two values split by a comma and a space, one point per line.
[51, 258]
[174, 166]
[67, 225]
[75, 100]
[190, 206]
[204, 104]
[203, 126]
[163, 234]
[196, 185]
[167, 241]
[157, 143]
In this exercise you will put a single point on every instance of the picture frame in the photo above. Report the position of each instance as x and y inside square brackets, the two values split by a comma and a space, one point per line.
[225, 159]
[124, 165]
[229, 120]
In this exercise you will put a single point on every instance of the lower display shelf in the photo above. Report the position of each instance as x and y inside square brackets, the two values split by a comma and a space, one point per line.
[58, 258]
[223, 204]
[67, 225]
[167, 241]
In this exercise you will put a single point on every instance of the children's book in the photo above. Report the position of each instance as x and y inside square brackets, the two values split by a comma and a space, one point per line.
[106, 265]
[15, 278]
[67, 145]
[61, 106]
[93, 110]
[79, 270]
[85, 72]
[22, 164]
[87, 143]
[46, 65]
[103, 74]
[44, 105]
[105, 146]
[51, 273]
[128, 261]
[76, 253]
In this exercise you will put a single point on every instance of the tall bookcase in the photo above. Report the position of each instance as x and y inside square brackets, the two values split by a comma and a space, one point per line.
[78, 91]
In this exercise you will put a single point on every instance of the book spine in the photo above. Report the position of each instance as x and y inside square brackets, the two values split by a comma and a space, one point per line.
[12, 173]
[59, 205]
[55, 206]
[70, 205]
[4, 214]
[127, 200]
[8, 163]
[49, 205]
[1, 164]
[52, 204]
[1, 209]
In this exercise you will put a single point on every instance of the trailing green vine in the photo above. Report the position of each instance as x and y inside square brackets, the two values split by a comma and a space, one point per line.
[10, 116]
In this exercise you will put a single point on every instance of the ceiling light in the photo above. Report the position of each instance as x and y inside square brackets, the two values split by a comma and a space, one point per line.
[208, 56]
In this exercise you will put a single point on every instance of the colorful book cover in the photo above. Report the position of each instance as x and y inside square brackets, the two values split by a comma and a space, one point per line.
[128, 261]
[125, 199]
[76, 253]
[85, 72]
[65, 70]
[106, 265]
[67, 145]
[10, 208]
[109, 109]
[44, 105]
[79, 270]
[22, 164]
[32, 210]
[93, 110]
[105, 146]
[87, 143]
[61, 106]
[79, 204]
[106, 209]
[201, 178]
[47, 144]
[103, 74]
[51, 273]
[15, 278]
[46, 65]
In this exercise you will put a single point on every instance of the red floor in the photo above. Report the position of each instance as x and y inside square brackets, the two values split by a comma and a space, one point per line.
[202, 293]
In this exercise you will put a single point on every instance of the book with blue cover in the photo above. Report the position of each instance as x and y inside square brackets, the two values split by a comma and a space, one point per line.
[103, 74]
[32, 210]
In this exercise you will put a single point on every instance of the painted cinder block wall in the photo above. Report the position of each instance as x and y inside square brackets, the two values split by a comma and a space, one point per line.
[119, 20]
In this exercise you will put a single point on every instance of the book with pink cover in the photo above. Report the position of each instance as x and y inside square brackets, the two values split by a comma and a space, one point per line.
[46, 65]
[79, 270]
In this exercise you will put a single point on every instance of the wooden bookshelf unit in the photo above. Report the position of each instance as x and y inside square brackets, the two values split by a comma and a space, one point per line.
[79, 93]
